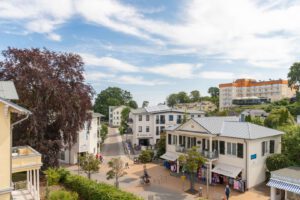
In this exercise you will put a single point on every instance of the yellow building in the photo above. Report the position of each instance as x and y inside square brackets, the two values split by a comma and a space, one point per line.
[15, 159]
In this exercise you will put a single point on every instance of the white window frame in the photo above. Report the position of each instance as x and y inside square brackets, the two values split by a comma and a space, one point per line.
[140, 129]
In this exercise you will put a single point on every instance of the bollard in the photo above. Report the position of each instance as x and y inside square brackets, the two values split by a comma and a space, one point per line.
[200, 191]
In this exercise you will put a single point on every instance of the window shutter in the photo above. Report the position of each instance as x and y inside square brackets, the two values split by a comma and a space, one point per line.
[263, 148]
[272, 146]
[240, 150]
[222, 147]
[169, 138]
[203, 144]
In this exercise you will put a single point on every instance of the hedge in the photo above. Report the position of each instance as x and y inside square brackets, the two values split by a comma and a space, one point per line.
[91, 190]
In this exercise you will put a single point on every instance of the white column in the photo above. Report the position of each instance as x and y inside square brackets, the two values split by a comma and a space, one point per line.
[273, 193]
[210, 144]
[38, 184]
[34, 185]
[210, 173]
[30, 181]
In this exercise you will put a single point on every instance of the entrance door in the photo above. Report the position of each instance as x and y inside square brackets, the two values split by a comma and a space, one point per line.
[144, 142]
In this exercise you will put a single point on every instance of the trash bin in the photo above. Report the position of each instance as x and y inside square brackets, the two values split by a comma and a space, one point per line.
[200, 191]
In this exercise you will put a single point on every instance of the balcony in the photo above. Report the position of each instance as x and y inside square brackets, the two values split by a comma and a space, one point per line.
[206, 154]
[25, 158]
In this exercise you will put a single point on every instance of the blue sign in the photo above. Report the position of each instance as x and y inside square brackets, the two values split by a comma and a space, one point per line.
[253, 156]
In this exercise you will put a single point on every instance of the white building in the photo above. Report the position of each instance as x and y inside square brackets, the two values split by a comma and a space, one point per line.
[285, 184]
[115, 115]
[88, 141]
[235, 151]
[146, 124]
[241, 89]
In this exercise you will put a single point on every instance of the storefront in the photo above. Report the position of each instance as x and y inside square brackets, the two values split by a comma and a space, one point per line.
[228, 175]
[171, 161]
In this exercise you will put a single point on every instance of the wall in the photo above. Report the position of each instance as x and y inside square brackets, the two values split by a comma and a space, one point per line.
[5, 155]
[257, 167]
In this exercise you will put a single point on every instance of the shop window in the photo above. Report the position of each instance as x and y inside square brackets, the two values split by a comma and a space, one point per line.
[240, 150]
[169, 139]
[272, 146]
[222, 147]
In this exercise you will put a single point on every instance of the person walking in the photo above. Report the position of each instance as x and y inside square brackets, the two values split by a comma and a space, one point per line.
[227, 192]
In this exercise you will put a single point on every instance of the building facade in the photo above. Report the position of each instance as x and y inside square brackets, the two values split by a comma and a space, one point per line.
[15, 159]
[240, 89]
[206, 106]
[115, 115]
[235, 151]
[146, 124]
[88, 141]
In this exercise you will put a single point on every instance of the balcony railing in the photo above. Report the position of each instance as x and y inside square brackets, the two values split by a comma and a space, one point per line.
[206, 154]
[25, 157]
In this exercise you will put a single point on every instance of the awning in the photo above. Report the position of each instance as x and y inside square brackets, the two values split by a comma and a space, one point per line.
[169, 156]
[227, 170]
[284, 186]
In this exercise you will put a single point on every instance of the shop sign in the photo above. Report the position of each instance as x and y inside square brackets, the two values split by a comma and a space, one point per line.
[253, 156]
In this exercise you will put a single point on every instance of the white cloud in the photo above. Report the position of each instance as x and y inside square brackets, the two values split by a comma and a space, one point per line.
[108, 62]
[98, 76]
[217, 75]
[138, 80]
[175, 70]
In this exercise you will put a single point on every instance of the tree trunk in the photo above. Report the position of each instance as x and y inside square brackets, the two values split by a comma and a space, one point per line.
[89, 175]
[192, 182]
[117, 182]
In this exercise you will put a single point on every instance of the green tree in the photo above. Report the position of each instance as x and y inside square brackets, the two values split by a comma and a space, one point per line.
[195, 96]
[132, 104]
[214, 91]
[294, 78]
[145, 104]
[277, 161]
[291, 143]
[117, 170]
[161, 145]
[112, 96]
[191, 162]
[89, 164]
[279, 117]
[103, 132]
[182, 97]
[172, 100]
[124, 120]
[146, 156]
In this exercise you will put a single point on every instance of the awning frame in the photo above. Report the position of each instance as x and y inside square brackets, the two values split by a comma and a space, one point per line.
[227, 170]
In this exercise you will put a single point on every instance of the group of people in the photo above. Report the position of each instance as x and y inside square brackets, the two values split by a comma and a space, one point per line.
[100, 157]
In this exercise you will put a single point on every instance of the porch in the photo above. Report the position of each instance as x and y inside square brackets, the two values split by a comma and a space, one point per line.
[26, 159]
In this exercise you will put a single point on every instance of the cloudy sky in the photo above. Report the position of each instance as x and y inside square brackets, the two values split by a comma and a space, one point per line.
[153, 48]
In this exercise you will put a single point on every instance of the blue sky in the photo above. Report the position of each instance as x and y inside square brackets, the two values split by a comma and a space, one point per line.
[154, 48]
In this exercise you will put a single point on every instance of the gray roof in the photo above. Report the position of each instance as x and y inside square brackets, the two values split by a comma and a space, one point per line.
[173, 127]
[289, 172]
[15, 106]
[163, 108]
[97, 114]
[232, 127]
[8, 90]
[214, 124]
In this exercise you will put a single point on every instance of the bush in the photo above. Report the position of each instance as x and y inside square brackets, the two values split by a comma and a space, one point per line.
[146, 156]
[277, 161]
[63, 195]
[53, 176]
[91, 190]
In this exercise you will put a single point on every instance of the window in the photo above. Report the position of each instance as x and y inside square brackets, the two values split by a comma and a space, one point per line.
[140, 117]
[180, 140]
[157, 119]
[231, 149]
[171, 117]
[174, 141]
[162, 119]
[147, 129]
[264, 148]
[140, 129]
[62, 155]
[272, 146]
[222, 147]
[162, 129]
[147, 117]
[240, 150]
[199, 115]
[193, 141]
[169, 138]
[157, 130]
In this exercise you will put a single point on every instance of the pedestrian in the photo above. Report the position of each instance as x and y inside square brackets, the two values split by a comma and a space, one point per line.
[227, 192]
[126, 165]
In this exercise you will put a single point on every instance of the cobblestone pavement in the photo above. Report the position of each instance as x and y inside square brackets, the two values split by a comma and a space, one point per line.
[163, 186]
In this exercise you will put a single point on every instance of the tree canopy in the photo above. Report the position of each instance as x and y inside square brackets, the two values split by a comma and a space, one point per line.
[145, 104]
[116, 171]
[195, 96]
[294, 76]
[214, 91]
[112, 96]
[51, 85]
[124, 119]
[279, 117]
[89, 164]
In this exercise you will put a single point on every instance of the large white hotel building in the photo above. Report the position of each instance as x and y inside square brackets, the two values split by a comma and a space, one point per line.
[273, 90]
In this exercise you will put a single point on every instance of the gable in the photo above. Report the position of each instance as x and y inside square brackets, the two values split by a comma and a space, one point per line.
[192, 126]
